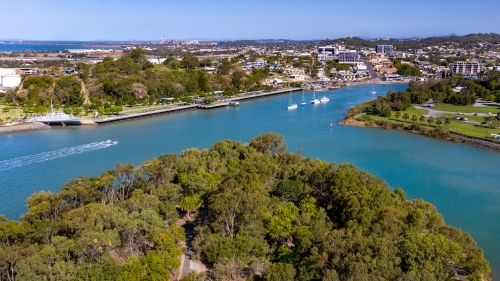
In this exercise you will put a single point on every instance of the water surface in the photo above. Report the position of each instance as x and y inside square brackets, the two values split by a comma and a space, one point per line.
[460, 180]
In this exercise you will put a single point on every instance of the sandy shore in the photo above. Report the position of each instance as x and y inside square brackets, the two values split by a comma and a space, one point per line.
[352, 122]
[22, 127]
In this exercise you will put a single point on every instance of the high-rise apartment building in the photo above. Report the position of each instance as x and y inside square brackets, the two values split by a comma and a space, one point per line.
[386, 49]
[466, 68]
[348, 57]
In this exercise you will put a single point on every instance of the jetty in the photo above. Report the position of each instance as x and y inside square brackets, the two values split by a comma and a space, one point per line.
[161, 109]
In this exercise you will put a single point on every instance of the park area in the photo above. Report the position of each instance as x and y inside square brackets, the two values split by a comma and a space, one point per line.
[474, 119]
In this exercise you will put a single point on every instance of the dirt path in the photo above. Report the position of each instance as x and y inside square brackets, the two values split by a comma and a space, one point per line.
[85, 92]
[188, 264]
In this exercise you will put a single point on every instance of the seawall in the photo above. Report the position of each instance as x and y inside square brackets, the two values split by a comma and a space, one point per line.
[23, 127]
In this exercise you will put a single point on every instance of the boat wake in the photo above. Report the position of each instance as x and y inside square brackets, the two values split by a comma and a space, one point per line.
[44, 156]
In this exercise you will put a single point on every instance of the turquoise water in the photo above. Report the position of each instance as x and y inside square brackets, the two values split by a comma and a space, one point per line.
[462, 181]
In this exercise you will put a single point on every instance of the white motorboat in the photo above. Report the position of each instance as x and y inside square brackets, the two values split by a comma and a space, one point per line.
[315, 100]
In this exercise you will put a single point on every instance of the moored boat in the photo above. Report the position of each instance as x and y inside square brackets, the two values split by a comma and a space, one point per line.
[57, 118]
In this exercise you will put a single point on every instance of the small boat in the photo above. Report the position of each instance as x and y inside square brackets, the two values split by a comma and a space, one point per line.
[324, 99]
[303, 102]
[234, 103]
[315, 100]
[115, 142]
[373, 89]
[290, 104]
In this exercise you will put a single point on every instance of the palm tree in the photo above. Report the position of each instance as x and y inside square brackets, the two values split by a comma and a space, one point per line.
[447, 121]
[439, 122]
[398, 113]
[406, 116]
[430, 120]
[414, 118]
[190, 204]
[422, 119]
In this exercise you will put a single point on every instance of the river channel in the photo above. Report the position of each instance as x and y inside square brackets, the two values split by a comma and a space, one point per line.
[462, 181]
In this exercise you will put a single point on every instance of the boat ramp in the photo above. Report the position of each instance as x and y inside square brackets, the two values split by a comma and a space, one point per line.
[143, 112]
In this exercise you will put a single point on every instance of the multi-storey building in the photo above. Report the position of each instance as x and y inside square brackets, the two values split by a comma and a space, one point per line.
[334, 50]
[466, 68]
[386, 49]
[348, 57]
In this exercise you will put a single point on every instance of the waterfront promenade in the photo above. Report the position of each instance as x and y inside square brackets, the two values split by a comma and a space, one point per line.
[149, 111]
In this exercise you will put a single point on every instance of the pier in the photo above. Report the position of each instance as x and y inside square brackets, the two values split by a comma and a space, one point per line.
[148, 111]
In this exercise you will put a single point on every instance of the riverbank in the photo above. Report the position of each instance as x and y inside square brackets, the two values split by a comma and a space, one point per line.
[22, 127]
[477, 142]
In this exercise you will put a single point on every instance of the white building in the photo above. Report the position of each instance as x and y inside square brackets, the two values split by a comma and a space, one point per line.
[466, 68]
[325, 56]
[157, 61]
[9, 78]
[361, 68]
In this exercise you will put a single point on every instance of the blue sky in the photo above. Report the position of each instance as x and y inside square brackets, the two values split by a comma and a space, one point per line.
[255, 19]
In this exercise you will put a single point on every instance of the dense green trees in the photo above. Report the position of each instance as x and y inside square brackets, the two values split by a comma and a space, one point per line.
[132, 80]
[261, 213]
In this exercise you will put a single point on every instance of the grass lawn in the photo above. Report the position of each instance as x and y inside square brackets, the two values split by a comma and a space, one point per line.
[411, 111]
[467, 108]
[469, 117]
[472, 130]
[13, 112]
[457, 127]
[158, 66]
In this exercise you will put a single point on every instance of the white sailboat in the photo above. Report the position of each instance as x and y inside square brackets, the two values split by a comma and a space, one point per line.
[315, 100]
[373, 89]
[303, 102]
[290, 104]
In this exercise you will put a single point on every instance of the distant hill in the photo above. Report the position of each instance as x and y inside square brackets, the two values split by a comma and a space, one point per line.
[415, 43]
[399, 43]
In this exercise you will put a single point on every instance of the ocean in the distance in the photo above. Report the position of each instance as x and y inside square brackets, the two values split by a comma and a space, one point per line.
[39, 47]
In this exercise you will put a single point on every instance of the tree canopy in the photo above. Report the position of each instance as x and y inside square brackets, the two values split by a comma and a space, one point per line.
[259, 211]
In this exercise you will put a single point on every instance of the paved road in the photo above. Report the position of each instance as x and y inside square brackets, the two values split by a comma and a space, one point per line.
[373, 73]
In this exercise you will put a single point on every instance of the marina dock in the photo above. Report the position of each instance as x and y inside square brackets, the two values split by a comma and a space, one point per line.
[143, 112]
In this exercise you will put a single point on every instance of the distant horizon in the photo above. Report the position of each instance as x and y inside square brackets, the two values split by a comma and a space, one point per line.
[20, 41]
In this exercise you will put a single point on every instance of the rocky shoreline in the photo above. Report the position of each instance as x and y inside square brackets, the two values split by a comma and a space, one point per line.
[481, 143]
[23, 127]
[478, 142]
